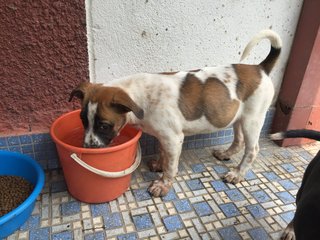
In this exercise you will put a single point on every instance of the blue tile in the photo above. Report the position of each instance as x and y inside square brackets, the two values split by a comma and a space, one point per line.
[229, 209]
[202, 209]
[195, 184]
[207, 143]
[307, 156]
[271, 176]
[229, 132]
[287, 216]
[261, 196]
[12, 141]
[219, 185]
[250, 175]
[42, 137]
[220, 169]
[199, 136]
[3, 142]
[172, 223]
[99, 209]
[235, 195]
[286, 197]
[142, 222]
[170, 196]
[15, 148]
[191, 145]
[221, 133]
[39, 234]
[58, 186]
[70, 208]
[214, 135]
[95, 236]
[112, 220]
[229, 233]
[27, 148]
[285, 153]
[288, 184]
[128, 236]
[198, 168]
[62, 236]
[150, 176]
[289, 167]
[33, 222]
[53, 164]
[257, 211]
[25, 139]
[199, 143]
[141, 194]
[182, 205]
[258, 233]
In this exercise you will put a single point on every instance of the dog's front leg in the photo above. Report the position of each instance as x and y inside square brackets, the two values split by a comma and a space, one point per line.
[172, 146]
[156, 165]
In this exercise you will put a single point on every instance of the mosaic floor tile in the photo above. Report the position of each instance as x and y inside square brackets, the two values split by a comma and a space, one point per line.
[229, 233]
[257, 211]
[202, 209]
[173, 223]
[258, 233]
[230, 210]
[199, 206]
[182, 205]
[235, 195]
[142, 221]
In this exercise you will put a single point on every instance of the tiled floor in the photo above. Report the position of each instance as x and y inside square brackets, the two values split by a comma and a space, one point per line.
[200, 206]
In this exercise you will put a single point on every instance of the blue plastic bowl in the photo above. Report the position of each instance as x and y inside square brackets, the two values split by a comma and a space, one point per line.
[16, 164]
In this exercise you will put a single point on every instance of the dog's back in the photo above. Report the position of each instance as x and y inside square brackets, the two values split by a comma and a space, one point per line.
[307, 217]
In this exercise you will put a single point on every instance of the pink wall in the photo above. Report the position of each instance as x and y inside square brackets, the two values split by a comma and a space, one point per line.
[298, 102]
[43, 56]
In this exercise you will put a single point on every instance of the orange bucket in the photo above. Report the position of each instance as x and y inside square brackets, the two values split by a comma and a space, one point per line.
[95, 175]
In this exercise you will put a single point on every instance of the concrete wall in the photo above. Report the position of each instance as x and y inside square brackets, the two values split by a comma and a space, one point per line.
[43, 56]
[152, 36]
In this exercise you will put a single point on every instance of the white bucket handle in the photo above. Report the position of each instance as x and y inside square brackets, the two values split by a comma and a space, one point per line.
[106, 173]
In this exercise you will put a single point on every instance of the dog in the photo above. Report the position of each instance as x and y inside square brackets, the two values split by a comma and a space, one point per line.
[172, 105]
[307, 216]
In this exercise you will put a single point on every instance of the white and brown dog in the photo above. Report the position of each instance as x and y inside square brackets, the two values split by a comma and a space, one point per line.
[172, 105]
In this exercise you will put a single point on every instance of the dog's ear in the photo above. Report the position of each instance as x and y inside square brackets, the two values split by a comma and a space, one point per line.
[122, 103]
[80, 91]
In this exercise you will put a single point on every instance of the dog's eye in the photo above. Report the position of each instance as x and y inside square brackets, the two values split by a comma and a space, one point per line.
[105, 126]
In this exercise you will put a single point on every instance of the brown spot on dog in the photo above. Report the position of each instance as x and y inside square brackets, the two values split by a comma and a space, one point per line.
[219, 108]
[190, 101]
[249, 78]
[210, 99]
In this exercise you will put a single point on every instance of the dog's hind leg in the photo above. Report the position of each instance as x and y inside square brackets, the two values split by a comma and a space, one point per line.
[235, 147]
[251, 131]
[172, 146]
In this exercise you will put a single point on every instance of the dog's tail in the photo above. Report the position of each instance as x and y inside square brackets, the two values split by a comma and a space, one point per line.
[299, 133]
[276, 44]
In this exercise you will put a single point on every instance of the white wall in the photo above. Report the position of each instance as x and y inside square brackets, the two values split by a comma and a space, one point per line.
[126, 37]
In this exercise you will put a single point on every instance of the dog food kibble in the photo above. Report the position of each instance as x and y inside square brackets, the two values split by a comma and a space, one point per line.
[13, 191]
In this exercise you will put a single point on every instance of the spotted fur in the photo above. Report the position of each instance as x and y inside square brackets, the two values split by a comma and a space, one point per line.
[170, 106]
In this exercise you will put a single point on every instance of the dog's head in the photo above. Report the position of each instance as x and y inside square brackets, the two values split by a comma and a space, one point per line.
[103, 112]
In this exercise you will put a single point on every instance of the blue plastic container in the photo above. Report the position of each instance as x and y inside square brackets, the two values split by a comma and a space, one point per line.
[16, 164]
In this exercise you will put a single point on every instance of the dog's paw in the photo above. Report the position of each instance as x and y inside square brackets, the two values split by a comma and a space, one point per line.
[220, 155]
[155, 166]
[288, 233]
[158, 188]
[233, 177]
